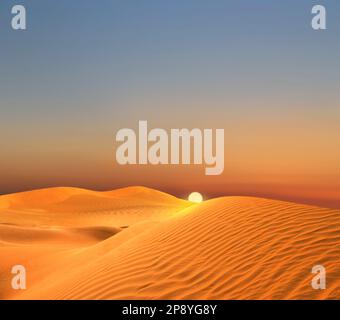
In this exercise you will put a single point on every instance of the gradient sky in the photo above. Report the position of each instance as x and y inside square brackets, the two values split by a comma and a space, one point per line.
[85, 69]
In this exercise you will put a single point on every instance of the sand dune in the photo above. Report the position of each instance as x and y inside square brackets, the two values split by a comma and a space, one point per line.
[76, 199]
[226, 248]
[72, 207]
[37, 235]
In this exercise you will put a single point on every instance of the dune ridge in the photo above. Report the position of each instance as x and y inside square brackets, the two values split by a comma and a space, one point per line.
[225, 248]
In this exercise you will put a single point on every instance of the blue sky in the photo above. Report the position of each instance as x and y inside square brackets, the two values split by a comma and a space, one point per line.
[117, 51]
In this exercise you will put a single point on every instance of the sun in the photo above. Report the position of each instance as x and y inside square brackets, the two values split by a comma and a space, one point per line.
[195, 197]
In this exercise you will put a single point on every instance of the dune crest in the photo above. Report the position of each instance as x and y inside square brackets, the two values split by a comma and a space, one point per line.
[225, 248]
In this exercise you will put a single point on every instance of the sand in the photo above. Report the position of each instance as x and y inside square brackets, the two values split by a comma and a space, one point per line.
[138, 243]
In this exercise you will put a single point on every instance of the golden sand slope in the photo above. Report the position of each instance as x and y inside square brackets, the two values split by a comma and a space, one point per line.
[227, 248]
[40, 228]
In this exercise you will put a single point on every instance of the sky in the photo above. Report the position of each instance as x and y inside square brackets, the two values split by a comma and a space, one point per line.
[84, 69]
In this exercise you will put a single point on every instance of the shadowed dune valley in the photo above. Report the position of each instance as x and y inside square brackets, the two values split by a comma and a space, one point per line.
[139, 243]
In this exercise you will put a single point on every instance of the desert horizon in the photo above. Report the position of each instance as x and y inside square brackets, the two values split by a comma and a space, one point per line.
[140, 243]
[324, 199]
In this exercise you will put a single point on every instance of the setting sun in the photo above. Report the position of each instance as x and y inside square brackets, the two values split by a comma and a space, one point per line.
[195, 197]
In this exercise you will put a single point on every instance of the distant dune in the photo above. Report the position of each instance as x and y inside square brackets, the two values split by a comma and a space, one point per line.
[138, 243]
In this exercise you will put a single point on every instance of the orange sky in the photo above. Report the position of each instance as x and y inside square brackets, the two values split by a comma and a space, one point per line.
[292, 159]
